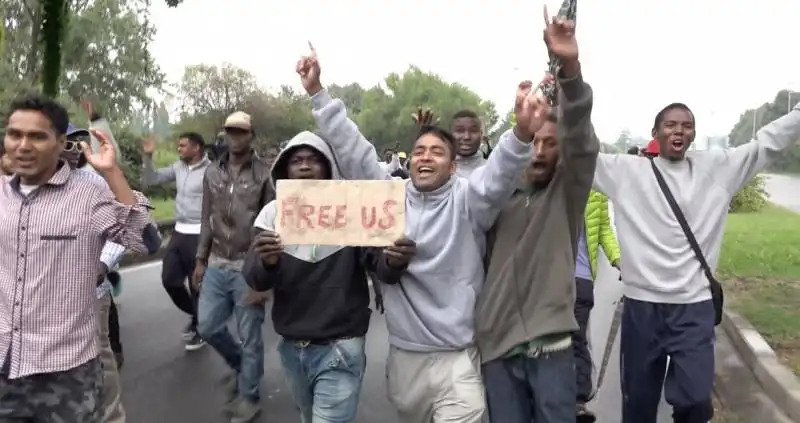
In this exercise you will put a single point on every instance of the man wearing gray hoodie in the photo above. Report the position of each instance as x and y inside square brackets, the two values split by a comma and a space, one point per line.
[433, 367]
[179, 261]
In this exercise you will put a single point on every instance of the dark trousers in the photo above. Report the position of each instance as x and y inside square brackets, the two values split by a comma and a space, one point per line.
[584, 302]
[650, 333]
[522, 389]
[178, 265]
[113, 327]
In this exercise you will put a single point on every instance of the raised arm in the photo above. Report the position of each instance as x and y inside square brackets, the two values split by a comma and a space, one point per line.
[151, 175]
[355, 155]
[745, 161]
[578, 143]
[491, 185]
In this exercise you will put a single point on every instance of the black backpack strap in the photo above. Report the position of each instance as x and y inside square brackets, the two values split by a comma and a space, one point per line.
[682, 221]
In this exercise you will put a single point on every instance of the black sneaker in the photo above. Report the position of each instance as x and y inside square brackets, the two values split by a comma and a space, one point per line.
[195, 343]
[188, 332]
[584, 415]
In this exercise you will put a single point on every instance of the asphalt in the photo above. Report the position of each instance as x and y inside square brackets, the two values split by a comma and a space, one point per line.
[162, 383]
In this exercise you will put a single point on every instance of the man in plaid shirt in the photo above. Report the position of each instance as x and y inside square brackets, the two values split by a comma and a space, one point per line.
[53, 225]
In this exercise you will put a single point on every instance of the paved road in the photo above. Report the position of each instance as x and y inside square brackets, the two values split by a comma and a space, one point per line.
[164, 384]
[783, 190]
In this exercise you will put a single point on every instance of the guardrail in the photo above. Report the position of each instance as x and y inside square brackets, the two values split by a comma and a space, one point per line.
[166, 228]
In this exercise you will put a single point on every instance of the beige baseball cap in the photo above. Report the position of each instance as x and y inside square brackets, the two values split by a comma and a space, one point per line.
[240, 120]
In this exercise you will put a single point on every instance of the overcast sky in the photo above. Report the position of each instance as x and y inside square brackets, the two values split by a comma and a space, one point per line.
[718, 56]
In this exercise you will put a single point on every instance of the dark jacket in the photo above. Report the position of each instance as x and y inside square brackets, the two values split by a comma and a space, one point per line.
[230, 207]
[321, 291]
[530, 288]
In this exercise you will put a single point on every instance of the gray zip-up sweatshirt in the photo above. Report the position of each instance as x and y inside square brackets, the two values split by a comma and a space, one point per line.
[430, 305]
[189, 183]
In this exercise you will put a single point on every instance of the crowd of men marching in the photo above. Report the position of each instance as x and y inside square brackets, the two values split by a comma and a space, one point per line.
[487, 295]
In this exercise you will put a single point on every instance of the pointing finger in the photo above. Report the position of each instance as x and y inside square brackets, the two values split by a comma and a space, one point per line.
[312, 49]
[546, 16]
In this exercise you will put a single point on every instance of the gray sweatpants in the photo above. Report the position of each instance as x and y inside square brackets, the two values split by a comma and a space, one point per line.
[436, 387]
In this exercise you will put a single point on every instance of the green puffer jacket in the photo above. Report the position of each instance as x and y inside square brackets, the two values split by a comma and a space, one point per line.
[599, 231]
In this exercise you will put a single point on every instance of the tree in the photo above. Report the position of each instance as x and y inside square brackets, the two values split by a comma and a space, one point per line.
[104, 53]
[386, 114]
[742, 131]
[623, 140]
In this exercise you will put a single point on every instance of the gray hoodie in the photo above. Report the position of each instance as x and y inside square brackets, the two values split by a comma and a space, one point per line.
[189, 184]
[465, 165]
[430, 305]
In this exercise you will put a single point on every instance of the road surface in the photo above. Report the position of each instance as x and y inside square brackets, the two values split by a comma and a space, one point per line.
[164, 384]
[783, 190]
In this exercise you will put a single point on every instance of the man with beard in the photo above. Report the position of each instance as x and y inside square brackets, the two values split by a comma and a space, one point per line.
[235, 189]
[178, 265]
[321, 307]
[672, 300]
[467, 129]
[434, 273]
[525, 315]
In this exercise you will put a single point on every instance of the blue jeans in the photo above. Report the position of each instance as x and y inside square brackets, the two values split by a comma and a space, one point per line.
[223, 294]
[520, 389]
[325, 379]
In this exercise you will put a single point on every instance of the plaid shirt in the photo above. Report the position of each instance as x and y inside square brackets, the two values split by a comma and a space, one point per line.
[51, 240]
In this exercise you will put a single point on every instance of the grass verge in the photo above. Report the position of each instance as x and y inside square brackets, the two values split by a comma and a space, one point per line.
[164, 208]
[760, 268]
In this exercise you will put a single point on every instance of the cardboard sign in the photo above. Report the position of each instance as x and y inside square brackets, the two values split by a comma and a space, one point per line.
[353, 213]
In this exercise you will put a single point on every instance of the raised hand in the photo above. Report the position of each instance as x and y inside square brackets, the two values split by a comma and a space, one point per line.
[559, 36]
[88, 108]
[105, 158]
[424, 117]
[309, 71]
[531, 109]
[149, 145]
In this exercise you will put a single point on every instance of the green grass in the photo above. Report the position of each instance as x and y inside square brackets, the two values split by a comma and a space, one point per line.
[760, 267]
[164, 208]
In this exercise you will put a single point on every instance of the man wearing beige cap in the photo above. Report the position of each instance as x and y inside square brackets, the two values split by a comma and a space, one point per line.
[235, 189]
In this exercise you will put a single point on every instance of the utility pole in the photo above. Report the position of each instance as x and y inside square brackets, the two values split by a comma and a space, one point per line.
[755, 122]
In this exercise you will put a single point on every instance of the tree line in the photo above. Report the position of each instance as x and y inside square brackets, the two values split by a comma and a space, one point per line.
[755, 118]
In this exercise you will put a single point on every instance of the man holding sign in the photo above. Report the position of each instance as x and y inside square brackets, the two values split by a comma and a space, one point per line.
[321, 293]
[433, 281]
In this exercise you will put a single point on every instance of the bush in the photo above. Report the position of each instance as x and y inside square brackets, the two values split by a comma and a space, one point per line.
[752, 198]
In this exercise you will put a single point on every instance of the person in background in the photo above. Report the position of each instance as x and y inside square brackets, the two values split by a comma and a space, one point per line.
[525, 314]
[597, 232]
[391, 163]
[272, 155]
[178, 264]
[651, 150]
[235, 189]
[671, 303]
[49, 368]
[322, 298]
[466, 127]
[111, 408]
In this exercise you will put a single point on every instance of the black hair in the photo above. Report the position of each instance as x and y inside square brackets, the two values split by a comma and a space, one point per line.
[660, 115]
[465, 114]
[55, 112]
[193, 138]
[440, 133]
[634, 150]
